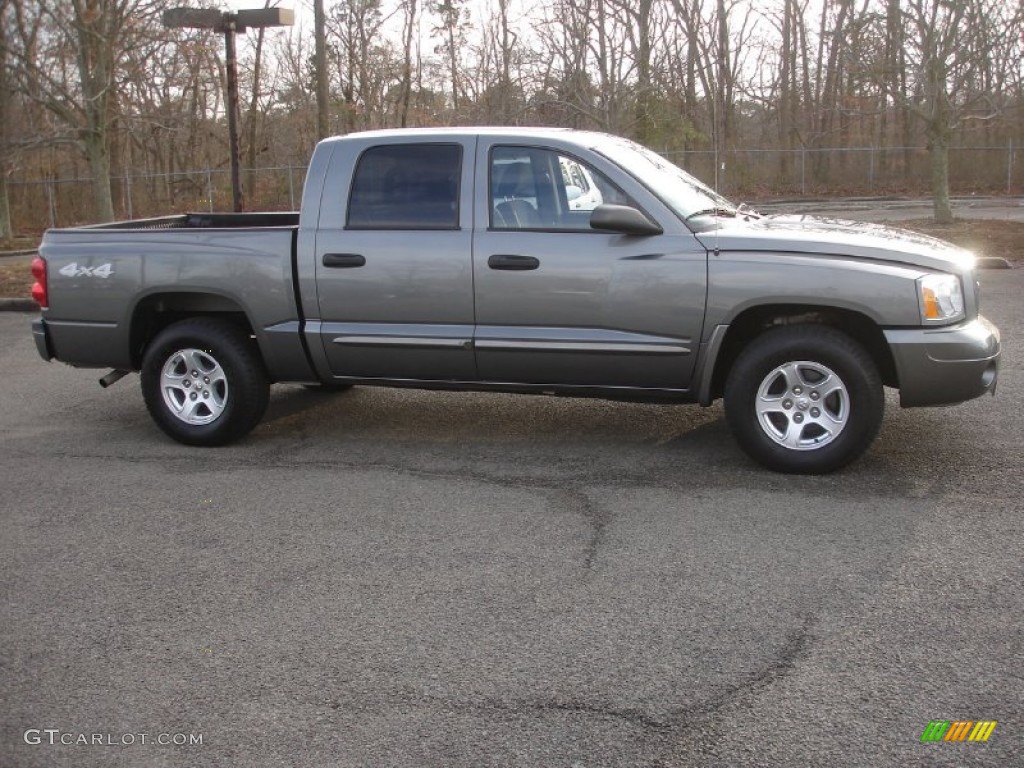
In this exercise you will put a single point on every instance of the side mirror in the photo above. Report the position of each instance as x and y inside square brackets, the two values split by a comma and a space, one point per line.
[622, 219]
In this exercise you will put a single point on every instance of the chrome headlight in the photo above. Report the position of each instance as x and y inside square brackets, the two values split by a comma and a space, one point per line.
[941, 298]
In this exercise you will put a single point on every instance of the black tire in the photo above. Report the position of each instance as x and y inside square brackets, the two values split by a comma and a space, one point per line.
[792, 432]
[226, 376]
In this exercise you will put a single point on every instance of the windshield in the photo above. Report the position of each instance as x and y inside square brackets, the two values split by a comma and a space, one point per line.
[679, 190]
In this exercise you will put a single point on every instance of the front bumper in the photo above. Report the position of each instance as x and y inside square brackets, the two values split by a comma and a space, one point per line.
[42, 337]
[942, 366]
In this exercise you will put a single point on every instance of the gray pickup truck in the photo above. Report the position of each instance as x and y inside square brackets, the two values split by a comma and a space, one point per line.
[522, 260]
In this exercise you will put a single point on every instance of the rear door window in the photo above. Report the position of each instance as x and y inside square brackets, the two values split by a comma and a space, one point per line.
[406, 186]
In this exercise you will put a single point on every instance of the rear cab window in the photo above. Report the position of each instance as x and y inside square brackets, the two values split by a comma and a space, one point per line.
[406, 186]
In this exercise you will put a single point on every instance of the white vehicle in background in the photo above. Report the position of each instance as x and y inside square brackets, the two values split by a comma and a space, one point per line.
[515, 187]
[580, 189]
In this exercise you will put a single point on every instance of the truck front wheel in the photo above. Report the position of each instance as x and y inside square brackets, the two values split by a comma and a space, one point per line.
[804, 399]
[203, 382]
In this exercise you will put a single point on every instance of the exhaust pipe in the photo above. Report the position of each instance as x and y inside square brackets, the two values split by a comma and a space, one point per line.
[112, 377]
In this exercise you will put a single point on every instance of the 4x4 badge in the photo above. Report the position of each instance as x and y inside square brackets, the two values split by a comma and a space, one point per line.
[73, 270]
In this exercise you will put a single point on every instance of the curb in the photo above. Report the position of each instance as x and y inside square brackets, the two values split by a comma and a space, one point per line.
[993, 262]
[12, 254]
[18, 305]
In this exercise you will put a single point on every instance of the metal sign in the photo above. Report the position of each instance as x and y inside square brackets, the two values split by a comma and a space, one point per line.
[200, 18]
[211, 18]
[266, 17]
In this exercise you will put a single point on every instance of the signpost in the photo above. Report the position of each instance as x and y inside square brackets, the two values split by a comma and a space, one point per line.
[229, 23]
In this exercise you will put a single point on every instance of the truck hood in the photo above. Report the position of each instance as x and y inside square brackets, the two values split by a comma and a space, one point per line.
[835, 237]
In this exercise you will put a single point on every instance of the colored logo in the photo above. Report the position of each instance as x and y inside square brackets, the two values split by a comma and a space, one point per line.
[958, 730]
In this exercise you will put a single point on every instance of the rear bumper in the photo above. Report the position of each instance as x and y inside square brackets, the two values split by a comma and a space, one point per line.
[942, 366]
[42, 337]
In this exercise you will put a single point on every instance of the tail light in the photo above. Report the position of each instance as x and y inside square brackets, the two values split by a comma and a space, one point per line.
[40, 293]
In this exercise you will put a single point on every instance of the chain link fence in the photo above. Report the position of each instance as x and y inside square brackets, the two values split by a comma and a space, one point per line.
[761, 174]
[36, 205]
[742, 174]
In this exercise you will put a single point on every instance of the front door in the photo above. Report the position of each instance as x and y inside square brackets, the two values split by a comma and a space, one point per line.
[560, 303]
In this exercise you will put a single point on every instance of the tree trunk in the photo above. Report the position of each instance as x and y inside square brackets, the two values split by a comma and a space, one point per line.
[99, 170]
[939, 129]
[453, 59]
[786, 96]
[5, 152]
[251, 148]
[939, 155]
[893, 29]
[320, 67]
[410, 28]
[95, 68]
[607, 98]
[831, 94]
[6, 233]
[645, 124]
[723, 122]
[690, 97]
[506, 62]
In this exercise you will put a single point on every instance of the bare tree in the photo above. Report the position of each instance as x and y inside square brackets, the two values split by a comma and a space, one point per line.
[93, 89]
[366, 61]
[640, 33]
[947, 54]
[453, 26]
[67, 55]
[90, 33]
[566, 91]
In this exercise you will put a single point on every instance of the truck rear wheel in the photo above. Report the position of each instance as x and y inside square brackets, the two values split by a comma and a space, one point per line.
[203, 382]
[804, 399]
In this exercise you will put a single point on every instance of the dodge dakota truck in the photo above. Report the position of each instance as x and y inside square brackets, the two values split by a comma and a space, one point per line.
[473, 259]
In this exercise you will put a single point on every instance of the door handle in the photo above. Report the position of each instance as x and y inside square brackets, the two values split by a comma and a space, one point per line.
[512, 262]
[344, 260]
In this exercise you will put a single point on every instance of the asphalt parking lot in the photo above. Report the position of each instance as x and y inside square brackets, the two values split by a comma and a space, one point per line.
[401, 578]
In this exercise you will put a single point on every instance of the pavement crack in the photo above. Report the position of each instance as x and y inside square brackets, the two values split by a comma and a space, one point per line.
[674, 724]
[779, 667]
[634, 717]
[598, 518]
[483, 470]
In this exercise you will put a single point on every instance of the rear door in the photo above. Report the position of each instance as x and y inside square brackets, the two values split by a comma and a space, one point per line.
[560, 303]
[393, 261]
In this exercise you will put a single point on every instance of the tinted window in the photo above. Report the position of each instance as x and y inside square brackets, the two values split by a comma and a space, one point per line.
[406, 186]
[544, 190]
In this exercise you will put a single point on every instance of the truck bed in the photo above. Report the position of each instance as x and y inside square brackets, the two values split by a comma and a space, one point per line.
[103, 278]
[206, 221]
